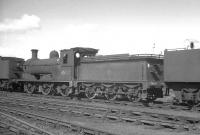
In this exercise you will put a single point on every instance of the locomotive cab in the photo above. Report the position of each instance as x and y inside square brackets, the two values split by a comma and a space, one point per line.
[70, 59]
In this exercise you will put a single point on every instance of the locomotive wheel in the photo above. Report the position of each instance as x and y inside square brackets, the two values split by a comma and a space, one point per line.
[90, 93]
[29, 88]
[64, 90]
[111, 93]
[46, 89]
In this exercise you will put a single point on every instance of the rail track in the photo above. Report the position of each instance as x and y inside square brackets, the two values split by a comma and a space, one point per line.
[13, 125]
[147, 119]
[54, 126]
[153, 105]
[63, 127]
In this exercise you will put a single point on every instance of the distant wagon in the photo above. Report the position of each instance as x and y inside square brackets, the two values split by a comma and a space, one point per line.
[182, 73]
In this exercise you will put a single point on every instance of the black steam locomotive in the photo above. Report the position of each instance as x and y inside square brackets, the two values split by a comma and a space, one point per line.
[80, 70]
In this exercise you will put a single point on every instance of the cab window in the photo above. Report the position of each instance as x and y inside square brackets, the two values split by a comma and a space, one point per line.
[65, 59]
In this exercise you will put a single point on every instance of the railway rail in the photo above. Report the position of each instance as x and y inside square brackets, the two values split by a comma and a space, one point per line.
[150, 119]
[6, 130]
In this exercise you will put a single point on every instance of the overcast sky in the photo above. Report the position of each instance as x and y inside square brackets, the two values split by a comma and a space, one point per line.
[112, 26]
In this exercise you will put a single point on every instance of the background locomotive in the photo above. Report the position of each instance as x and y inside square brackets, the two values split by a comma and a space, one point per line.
[10, 72]
[79, 70]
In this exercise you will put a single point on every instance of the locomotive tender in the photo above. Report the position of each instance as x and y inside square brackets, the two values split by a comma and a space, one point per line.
[134, 76]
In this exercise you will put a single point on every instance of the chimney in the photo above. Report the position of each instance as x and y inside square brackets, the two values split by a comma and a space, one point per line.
[34, 53]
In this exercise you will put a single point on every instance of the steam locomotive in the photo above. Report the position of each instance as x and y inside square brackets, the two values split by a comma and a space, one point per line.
[80, 71]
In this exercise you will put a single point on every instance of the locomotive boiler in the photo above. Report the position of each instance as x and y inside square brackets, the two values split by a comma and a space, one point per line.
[41, 69]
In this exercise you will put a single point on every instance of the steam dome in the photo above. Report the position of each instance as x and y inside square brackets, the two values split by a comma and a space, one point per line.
[53, 54]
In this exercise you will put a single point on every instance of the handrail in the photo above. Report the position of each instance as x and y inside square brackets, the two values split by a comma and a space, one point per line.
[148, 55]
[176, 49]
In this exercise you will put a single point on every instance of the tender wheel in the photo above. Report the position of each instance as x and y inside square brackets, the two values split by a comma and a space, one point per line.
[64, 90]
[1, 88]
[111, 93]
[151, 98]
[90, 92]
[190, 96]
[3, 85]
[134, 96]
[29, 88]
[46, 89]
